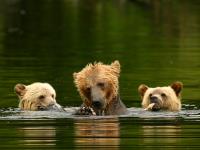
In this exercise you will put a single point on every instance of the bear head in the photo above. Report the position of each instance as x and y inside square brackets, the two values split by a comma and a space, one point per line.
[36, 96]
[97, 84]
[164, 98]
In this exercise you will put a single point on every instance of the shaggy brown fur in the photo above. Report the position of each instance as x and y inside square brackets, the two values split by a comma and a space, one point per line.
[98, 87]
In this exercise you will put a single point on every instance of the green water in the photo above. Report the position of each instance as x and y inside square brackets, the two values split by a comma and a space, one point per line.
[101, 134]
[156, 42]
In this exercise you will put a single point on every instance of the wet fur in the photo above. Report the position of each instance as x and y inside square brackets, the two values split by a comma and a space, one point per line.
[99, 82]
[36, 96]
[168, 98]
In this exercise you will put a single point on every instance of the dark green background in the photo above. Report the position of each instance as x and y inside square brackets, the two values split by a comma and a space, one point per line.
[156, 42]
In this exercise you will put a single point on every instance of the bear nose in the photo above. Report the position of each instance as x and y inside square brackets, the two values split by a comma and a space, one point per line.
[153, 99]
[97, 104]
[51, 104]
[40, 108]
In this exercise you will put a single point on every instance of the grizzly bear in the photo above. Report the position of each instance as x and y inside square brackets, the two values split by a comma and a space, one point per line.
[161, 98]
[98, 87]
[36, 96]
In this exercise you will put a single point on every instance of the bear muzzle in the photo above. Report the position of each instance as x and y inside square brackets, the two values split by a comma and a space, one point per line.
[154, 99]
[98, 104]
[156, 103]
[55, 106]
[98, 98]
[51, 106]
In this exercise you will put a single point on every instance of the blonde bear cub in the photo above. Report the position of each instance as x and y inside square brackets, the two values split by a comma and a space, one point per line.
[161, 98]
[36, 96]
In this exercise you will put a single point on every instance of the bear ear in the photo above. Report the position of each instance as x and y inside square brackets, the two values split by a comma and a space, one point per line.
[116, 67]
[75, 75]
[142, 89]
[177, 87]
[20, 89]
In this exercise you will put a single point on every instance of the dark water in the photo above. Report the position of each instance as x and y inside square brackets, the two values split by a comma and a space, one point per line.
[156, 42]
[61, 130]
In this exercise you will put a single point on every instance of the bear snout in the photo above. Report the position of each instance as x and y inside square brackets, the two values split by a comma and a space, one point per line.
[97, 104]
[55, 106]
[154, 99]
[44, 106]
[156, 103]
[156, 107]
[41, 108]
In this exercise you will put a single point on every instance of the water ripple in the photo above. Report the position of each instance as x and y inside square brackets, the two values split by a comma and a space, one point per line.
[16, 114]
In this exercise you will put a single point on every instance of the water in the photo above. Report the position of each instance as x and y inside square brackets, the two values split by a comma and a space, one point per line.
[62, 130]
[156, 42]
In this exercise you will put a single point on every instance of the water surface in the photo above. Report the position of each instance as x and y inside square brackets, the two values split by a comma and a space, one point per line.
[61, 130]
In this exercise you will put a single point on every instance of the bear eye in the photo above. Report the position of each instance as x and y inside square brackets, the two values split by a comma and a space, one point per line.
[41, 97]
[52, 96]
[100, 84]
[163, 95]
[88, 89]
[87, 92]
[150, 95]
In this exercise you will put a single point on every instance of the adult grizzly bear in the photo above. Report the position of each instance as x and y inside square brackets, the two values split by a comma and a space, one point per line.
[98, 87]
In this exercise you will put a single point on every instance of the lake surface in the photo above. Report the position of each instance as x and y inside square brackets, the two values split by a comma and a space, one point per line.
[156, 42]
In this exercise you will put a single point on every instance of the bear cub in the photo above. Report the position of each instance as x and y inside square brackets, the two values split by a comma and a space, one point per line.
[161, 98]
[36, 96]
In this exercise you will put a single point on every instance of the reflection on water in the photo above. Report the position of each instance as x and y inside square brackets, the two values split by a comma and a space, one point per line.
[154, 135]
[103, 133]
[41, 135]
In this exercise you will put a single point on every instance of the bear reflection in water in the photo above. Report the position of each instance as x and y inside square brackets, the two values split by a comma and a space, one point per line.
[38, 135]
[163, 134]
[96, 133]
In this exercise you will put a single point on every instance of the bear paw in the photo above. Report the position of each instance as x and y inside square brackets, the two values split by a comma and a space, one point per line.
[85, 111]
[153, 107]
